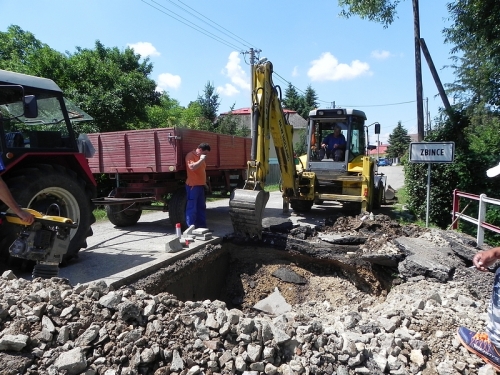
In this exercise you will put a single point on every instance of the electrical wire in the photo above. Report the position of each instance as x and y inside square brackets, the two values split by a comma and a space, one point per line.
[192, 25]
[240, 40]
[226, 31]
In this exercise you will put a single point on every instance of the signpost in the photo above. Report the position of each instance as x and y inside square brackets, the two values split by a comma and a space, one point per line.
[431, 152]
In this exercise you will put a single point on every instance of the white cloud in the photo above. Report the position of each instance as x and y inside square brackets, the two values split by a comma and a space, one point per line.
[227, 90]
[167, 80]
[144, 49]
[380, 55]
[239, 78]
[295, 71]
[328, 68]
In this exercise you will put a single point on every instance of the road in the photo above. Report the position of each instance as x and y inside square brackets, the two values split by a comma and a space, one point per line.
[117, 254]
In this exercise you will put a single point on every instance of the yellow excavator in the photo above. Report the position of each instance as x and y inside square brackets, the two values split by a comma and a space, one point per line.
[313, 178]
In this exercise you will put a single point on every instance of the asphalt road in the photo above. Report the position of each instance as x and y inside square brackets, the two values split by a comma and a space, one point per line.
[117, 254]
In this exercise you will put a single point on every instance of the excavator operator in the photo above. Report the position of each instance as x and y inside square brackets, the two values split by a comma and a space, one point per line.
[333, 145]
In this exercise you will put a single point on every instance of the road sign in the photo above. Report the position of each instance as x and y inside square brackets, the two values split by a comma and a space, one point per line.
[432, 152]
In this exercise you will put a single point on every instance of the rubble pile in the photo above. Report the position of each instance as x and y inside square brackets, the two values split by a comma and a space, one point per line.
[51, 327]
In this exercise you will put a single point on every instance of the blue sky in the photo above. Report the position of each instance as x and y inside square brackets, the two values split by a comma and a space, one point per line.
[352, 62]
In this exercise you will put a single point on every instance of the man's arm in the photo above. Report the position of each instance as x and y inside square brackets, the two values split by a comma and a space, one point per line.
[8, 199]
[194, 165]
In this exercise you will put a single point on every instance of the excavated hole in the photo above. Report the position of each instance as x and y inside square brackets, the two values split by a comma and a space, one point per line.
[243, 275]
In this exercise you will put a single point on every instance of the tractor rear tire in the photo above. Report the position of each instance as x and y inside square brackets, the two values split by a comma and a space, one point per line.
[177, 208]
[52, 190]
[119, 215]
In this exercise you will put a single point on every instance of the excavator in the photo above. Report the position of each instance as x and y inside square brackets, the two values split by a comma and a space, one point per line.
[350, 179]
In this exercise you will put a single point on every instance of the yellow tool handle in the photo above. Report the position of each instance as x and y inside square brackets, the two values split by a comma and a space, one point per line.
[49, 220]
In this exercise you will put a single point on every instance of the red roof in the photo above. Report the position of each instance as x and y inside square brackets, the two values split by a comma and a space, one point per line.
[382, 150]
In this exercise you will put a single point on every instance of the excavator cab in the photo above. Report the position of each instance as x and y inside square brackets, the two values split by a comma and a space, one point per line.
[321, 124]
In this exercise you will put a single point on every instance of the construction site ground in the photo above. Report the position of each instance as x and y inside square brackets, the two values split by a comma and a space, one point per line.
[407, 287]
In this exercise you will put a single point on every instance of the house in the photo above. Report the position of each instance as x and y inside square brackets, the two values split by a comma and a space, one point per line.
[243, 117]
[380, 151]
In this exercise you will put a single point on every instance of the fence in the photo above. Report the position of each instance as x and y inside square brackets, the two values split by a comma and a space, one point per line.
[481, 224]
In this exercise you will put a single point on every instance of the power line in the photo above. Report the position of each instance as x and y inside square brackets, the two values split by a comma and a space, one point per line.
[248, 44]
[376, 105]
[191, 24]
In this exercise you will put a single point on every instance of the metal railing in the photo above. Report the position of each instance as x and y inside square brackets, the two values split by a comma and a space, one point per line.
[481, 215]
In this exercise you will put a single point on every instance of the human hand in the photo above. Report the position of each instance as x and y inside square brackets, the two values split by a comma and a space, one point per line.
[483, 260]
[26, 217]
[203, 156]
[335, 145]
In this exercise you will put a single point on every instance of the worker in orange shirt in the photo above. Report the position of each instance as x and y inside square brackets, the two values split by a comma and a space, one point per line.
[195, 186]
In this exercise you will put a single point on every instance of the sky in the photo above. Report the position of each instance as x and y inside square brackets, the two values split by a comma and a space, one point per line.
[350, 63]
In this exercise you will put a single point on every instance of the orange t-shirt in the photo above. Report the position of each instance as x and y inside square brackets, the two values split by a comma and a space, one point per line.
[198, 176]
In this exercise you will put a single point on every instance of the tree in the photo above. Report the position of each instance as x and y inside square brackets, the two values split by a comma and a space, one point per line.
[309, 102]
[167, 114]
[399, 141]
[382, 11]
[292, 100]
[227, 124]
[111, 85]
[475, 34]
[209, 102]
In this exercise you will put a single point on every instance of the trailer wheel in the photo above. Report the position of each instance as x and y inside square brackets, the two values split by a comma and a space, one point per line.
[301, 205]
[122, 215]
[177, 208]
[52, 190]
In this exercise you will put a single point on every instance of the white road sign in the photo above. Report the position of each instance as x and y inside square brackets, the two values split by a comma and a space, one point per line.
[432, 152]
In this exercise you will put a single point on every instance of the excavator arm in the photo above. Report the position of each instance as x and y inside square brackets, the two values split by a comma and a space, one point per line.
[268, 121]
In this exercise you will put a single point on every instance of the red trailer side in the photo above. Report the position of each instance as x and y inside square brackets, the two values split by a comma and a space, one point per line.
[149, 166]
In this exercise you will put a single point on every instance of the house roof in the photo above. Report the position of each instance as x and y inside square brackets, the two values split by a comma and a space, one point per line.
[382, 150]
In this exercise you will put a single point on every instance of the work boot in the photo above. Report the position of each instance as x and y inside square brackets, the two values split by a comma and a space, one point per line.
[479, 344]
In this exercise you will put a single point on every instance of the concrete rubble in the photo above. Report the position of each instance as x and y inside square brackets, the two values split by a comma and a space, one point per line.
[49, 327]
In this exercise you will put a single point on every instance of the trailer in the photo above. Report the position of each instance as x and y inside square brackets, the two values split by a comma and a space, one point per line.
[149, 170]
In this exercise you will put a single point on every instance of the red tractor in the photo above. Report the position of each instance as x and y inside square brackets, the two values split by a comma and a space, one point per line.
[44, 168]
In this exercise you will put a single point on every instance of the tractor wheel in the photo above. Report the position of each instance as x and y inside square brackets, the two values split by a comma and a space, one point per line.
[52, 190]
[177, 208]
[122, 215]
[300, 205]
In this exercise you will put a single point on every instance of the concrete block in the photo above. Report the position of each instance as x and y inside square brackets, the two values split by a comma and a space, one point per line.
[204, 236]
[189, 230]
[199, 231]
[173, 244]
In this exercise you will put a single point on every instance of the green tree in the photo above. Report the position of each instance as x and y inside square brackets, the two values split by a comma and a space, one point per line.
[21, 52]
[167, 114]
[381, 11]
[111, 85]
[209, 102]
[474, 35]
[227, 124]
[309, 102]
[193, 118]
[292, 99]
[399, 141]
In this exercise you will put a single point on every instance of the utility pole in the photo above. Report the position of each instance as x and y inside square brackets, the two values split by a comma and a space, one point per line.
[418, 71]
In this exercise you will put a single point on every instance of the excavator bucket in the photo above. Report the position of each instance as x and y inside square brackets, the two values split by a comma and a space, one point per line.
[246, 208]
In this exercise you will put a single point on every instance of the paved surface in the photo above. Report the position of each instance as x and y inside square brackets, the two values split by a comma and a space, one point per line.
[117, 254]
